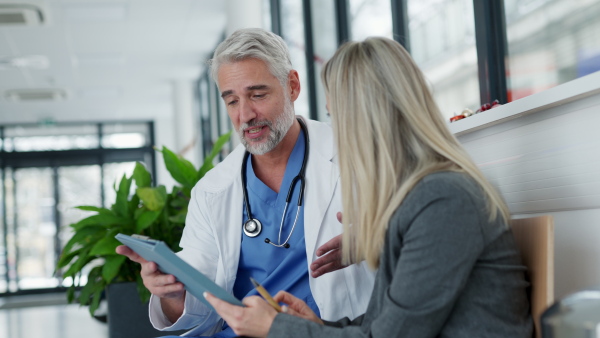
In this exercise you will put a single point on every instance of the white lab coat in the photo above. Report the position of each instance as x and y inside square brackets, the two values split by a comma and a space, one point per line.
[211, 239]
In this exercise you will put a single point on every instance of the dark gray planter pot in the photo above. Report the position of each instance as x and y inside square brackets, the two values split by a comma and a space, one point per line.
[127, 316]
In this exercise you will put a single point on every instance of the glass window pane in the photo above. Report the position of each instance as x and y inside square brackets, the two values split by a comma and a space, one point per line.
[292, 26]
[47, 138]
[3, 248]
[442, 43]
[29, 241]
[36, 228]
[203, 92]
[113, 173]
[205, 99]
[325, 44]
[78, 185]
[550, 42]
[215, 108]
[370, 18]
[7, 144]
[130, 135]
[11, 251]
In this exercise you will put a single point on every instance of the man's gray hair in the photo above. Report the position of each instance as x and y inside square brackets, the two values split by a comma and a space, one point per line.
[254, 43]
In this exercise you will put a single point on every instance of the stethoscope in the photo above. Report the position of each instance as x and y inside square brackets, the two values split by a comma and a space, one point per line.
[253, 227]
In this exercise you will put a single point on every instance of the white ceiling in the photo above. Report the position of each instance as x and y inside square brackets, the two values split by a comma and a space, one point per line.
[117, 60]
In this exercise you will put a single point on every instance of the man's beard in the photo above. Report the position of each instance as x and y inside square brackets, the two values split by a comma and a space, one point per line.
[277, 130]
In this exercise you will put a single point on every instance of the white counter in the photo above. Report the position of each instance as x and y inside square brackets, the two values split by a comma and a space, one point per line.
[556, 96]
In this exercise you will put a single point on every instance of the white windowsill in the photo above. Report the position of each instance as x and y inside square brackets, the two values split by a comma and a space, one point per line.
[561, 94]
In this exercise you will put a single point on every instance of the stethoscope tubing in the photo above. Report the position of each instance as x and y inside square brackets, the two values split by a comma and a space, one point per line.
[298, 178]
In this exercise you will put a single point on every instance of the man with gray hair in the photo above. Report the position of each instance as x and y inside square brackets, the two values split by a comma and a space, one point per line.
[267, 210]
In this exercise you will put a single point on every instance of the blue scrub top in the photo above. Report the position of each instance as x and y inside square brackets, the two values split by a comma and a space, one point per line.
[275, 268]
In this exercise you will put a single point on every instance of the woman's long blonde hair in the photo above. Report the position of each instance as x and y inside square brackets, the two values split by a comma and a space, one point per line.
[390, 134]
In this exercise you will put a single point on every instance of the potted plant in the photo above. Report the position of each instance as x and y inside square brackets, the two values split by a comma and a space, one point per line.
[150, 211]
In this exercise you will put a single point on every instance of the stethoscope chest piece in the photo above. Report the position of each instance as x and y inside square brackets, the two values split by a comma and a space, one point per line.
[252, 227]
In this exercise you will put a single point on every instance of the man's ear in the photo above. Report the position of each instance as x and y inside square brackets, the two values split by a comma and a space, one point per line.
[293, 85]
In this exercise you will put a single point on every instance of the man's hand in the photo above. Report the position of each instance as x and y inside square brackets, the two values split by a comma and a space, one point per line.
[166, 287]
[159, 284]
[330, 256]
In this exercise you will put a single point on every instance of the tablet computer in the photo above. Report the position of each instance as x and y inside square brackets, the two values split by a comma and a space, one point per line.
[168, 262]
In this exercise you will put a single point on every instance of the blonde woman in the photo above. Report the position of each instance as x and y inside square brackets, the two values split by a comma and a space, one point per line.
[415, 207]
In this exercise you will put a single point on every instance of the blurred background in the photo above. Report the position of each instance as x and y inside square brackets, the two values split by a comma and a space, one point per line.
[89, 87]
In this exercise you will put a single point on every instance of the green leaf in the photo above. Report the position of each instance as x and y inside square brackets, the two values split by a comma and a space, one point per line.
[95, 304]
[153, 198]
[182, 170]
[66, 258]
[92, 291]
[177, 190]
[96, 209]
[121, 206]
[179, 218]
[137, 212]
[71, 294]
[111, 267]
[92, 283]
[187, 192]
[101, 220]
[106, 246]
[179, 203]
[84, 237]
[135, 201]
[179, 199]
[141, 176]
[145, 220]
[83, 259]
[208, 161]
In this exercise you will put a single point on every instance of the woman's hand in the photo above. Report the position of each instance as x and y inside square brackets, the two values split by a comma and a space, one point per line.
[254, 320]
[296, 307]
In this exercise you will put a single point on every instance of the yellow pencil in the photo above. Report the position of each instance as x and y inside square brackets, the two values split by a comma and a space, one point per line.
[265, 295]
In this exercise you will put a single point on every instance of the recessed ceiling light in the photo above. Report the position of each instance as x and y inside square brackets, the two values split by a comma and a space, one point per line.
[30, 61]
[20, 15]
[42, 94]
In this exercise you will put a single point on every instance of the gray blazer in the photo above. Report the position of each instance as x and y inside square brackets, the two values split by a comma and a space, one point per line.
[445, 271]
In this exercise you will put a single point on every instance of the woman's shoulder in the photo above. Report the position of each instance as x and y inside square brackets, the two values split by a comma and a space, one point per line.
[447, 184]
[443, 193]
